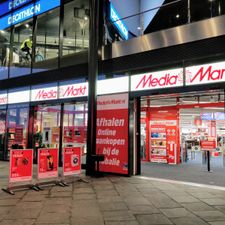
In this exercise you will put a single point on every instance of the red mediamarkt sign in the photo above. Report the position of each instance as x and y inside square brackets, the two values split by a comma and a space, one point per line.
[3, 99]
[204, 74]
[157, 80]
[76, 90]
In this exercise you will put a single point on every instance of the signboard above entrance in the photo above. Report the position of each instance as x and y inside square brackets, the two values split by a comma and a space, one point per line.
[205, 74]
[157, 80]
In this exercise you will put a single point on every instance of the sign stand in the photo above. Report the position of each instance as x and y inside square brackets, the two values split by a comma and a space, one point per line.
[21, 170]
[71, 164]
[208, 162]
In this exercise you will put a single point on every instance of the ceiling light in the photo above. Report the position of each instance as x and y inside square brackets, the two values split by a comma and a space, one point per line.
[85, 18]
[139, 28]
[27, 25]
[177, 16]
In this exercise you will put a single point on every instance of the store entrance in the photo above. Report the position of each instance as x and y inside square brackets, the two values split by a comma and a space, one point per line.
[174, 128]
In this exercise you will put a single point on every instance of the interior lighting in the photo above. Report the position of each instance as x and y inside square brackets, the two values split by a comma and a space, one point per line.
[85, 18]
[139, 28]
[177, 16]
[27, 25]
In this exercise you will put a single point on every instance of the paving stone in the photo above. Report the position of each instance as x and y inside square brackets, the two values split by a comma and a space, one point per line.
[202, 194]
[137, 201]
[60, 194]
[184, 199]
[83, 191]
[18, 222]
[217, 223]
[153, 219]
[122, 215]
[58, 201]
[221, 208]
[214, 201]
[143, 209]
[197, 206]
[211, 215]
[122, 223]
[8, 202]
[53, 218]
[87, 221]
[113, 206]
[176, 212]
[163, 202]
[188, 221]
[84, 196]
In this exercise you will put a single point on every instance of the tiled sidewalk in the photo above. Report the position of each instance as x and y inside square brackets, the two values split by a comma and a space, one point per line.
[115, 201]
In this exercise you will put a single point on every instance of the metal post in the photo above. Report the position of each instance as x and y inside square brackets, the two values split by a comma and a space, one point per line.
[189, 11]
[92, 81]
[208, 161]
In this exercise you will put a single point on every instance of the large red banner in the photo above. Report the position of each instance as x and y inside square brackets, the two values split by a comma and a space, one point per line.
[47, 163]
[71, 161]
[21, 165]
[112, 132]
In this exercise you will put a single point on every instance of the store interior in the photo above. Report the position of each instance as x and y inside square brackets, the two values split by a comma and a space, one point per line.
[175, 127]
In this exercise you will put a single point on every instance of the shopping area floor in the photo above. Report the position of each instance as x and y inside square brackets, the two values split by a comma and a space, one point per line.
[187, 172]
[114, 200]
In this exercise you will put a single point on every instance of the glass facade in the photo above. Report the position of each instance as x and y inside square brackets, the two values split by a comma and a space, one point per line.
[33, 45]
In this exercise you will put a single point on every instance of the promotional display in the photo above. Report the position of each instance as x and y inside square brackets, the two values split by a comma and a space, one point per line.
[164, 137]
[208, 145]
[71, 161]
[21, 165]
[112, 132]
[47, 163]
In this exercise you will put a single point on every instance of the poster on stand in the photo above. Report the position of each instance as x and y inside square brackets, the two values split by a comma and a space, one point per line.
[47, 163]
[71, 161]
[21, 165]
[112, 132]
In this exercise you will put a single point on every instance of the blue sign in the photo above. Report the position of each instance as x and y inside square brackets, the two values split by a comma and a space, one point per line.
[115, 18]
[28, 12]
[8, 6]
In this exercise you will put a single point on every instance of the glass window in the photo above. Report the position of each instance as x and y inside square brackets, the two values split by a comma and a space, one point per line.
[17, 127]
[20, 60]
[4, 52]
[76, 27]
[2, 132]
[75, 127]
[47, 41]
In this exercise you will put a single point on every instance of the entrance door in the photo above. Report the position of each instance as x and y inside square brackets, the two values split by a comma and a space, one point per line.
[46, 126]
[2, 132]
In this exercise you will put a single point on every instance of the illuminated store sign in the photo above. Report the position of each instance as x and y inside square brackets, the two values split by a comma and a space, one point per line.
[157, 80]
[19, 97]
[6, 7]
[73, 90]
[43, 94]
[28, 12]
[3, 98]
[205, 74]
[115, 18]
[114, 85]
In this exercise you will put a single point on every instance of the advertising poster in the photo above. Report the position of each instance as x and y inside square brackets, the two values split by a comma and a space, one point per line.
[208, 145]
[21, 165]
[47, 163]
[71, 161]
[112, 132]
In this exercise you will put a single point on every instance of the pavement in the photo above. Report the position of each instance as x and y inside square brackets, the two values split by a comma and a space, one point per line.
[115, 200]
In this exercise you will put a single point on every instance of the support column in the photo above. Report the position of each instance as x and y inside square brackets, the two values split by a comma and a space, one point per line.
[92, 82]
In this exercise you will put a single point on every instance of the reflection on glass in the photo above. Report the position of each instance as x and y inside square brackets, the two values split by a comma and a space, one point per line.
[4, 53]
[76, 27]
[17, 126]
[47, 41]
[75, 127]
[20, 60]
[2, 132]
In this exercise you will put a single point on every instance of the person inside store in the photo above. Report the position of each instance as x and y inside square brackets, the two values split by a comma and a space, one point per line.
[26, 47]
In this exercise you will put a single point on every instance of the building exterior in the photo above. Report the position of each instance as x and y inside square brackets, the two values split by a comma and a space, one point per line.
[48, 96]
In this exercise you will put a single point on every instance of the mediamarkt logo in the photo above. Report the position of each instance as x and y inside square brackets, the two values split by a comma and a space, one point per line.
[3, 100]
[72, 91]
[205, 74]
[42, 94]
[157, 80]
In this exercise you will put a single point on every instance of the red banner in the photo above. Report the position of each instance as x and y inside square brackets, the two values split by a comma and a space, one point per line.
[112, 132]
[71, 161]
[21, 165]
[208, 145]
[47, 163]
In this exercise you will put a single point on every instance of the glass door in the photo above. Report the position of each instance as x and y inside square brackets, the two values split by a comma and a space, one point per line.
[46, 126]
[75, 127]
